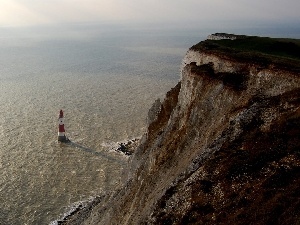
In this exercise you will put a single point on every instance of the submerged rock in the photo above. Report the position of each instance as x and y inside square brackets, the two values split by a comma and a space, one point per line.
[128, 147]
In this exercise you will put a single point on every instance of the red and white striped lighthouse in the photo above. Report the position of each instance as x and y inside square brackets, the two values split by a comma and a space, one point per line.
[61, 128]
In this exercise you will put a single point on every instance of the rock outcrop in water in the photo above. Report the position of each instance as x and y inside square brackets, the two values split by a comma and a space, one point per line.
[222, 148]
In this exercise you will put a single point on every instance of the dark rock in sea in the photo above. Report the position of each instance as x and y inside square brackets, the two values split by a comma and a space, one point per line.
[128, 147]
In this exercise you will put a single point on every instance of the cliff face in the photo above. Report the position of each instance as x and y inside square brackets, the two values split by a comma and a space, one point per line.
[222, 148]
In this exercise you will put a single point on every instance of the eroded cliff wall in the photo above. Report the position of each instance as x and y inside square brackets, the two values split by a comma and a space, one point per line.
[222, 148]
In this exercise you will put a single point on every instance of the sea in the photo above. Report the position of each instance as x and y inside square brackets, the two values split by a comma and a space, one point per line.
[105, 78]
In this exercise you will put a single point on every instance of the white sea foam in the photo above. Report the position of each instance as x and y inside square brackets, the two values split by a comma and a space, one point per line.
[69, 210]
[114, 146]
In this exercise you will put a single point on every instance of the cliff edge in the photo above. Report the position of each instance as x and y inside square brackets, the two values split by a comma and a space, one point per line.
[223, 146]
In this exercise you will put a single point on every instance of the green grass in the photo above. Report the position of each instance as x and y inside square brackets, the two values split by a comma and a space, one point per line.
[262, 50]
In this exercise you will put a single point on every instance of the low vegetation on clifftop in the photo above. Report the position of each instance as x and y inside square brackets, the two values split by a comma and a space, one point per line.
[261, 50]
[224, 145]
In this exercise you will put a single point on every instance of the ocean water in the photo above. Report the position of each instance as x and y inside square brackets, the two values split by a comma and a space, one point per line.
[105, 80]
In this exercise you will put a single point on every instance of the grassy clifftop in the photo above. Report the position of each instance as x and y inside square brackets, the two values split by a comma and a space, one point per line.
[282, 52]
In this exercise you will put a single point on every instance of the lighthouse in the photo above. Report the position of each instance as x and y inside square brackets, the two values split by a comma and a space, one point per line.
[61, 128]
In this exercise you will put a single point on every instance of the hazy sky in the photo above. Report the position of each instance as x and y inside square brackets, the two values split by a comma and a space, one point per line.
[39, 12]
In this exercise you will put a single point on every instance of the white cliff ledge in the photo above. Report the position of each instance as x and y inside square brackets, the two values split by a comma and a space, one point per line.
[222, 36]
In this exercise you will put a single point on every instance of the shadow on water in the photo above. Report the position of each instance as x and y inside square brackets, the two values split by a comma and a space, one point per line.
[99, 154]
